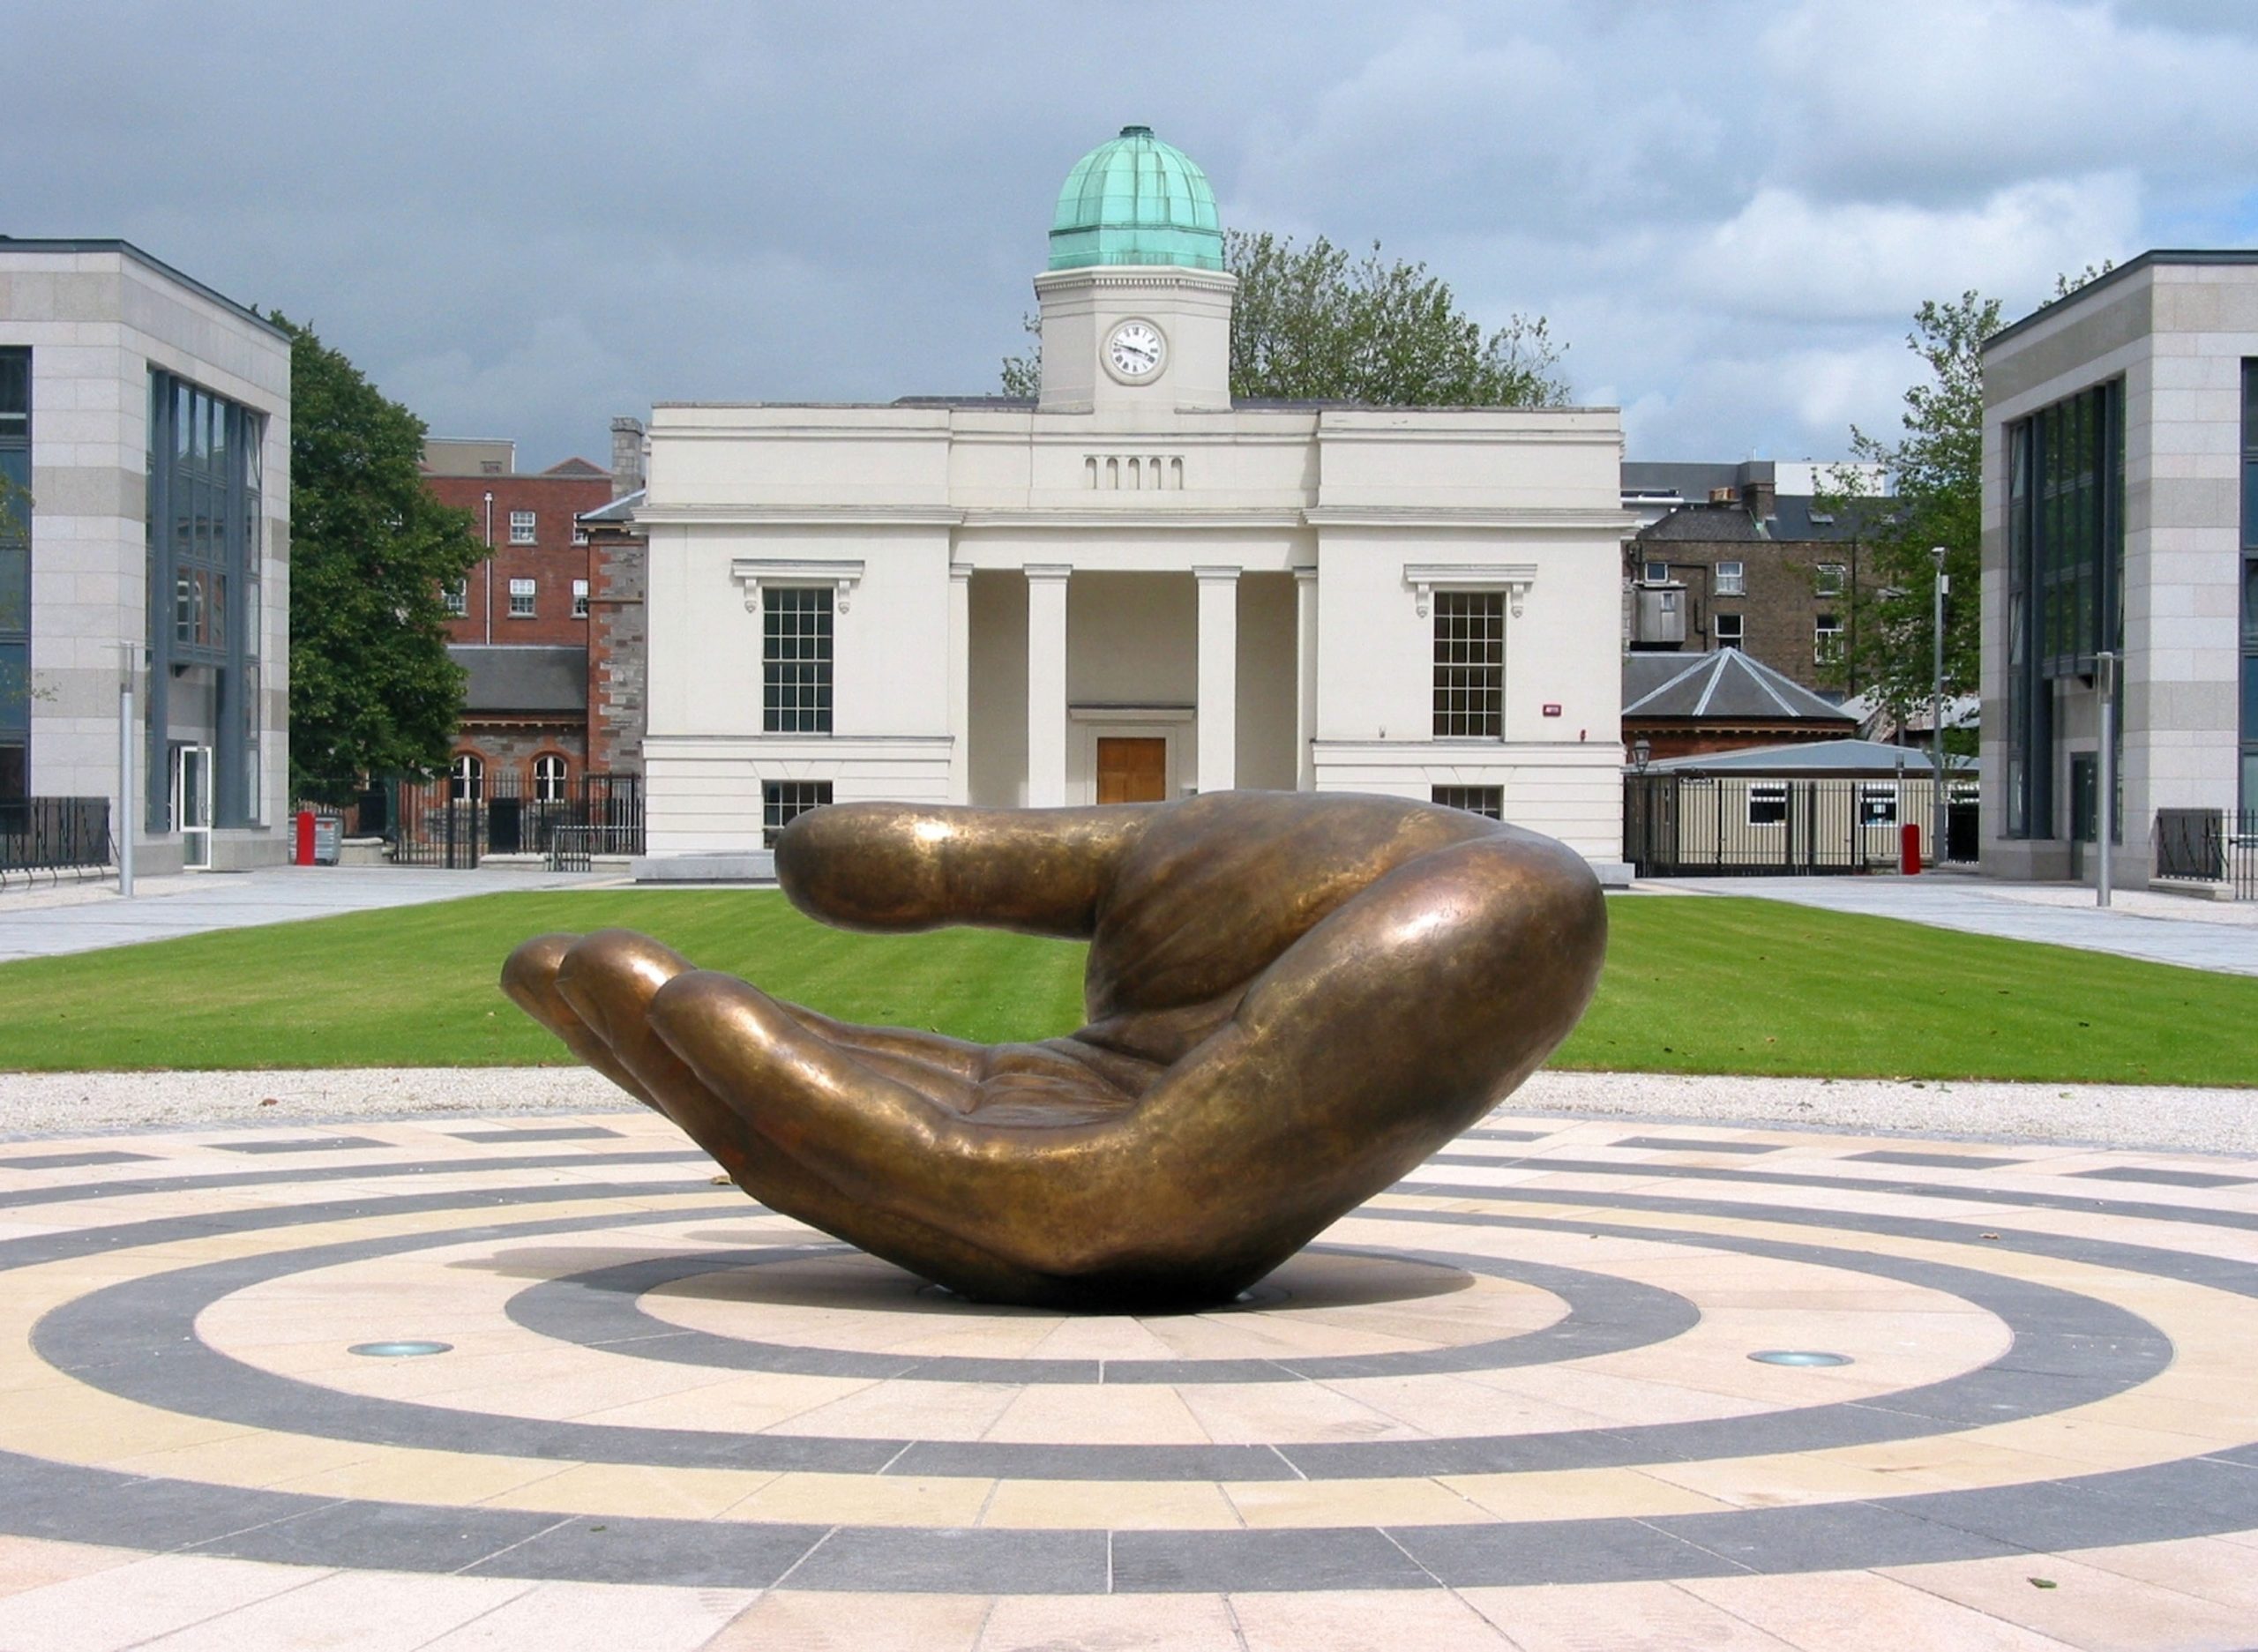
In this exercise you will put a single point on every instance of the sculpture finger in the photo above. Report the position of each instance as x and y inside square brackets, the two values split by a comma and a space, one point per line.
[783, 1080]
[1020, 1191]
[901, 866]
[1394, 1024]
[529, 979]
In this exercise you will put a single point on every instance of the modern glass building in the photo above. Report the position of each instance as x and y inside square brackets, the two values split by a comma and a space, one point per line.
[143, 539]
[2121, 515]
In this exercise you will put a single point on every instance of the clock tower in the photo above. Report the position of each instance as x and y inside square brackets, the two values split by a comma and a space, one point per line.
[1136, 305]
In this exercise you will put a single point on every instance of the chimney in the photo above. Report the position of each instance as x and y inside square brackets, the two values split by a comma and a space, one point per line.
[1759, 497]
[627, 456]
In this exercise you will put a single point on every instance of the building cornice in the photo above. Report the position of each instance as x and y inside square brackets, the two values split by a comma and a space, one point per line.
[1526, 519]
[1131, 519]
[798, 516]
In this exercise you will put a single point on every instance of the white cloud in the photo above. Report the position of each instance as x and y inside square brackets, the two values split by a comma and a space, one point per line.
[1791, 258]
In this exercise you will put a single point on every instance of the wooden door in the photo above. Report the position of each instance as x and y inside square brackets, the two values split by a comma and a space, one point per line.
[1133, 770]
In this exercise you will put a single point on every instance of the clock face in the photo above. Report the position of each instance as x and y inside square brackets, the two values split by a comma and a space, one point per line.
[1136, 349]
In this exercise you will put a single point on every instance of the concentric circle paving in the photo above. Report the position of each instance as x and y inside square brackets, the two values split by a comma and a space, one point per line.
[1528, 1366]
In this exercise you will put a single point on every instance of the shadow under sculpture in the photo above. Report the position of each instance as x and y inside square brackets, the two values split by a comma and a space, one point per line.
[1294, 998]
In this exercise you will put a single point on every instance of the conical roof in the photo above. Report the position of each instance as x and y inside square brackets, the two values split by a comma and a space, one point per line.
[1136, 200]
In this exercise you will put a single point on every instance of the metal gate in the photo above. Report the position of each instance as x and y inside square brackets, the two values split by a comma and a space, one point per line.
[451, 821]
[1717, 826]
[439, 822]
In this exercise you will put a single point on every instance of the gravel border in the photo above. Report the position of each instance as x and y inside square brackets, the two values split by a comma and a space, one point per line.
[2158, 1117]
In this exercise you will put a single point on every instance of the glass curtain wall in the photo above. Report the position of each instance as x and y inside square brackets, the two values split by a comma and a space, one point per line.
[2066, 577]
[2248, 798]
[15, 573]
[205, 541]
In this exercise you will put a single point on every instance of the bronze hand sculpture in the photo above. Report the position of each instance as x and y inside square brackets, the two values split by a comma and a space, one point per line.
[1294, 998]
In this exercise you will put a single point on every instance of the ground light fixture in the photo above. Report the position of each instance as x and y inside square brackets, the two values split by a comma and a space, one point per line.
[408, 1350]
[1797, 1357]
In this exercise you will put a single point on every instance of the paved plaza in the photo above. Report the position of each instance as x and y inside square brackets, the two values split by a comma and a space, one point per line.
[1509, 1403]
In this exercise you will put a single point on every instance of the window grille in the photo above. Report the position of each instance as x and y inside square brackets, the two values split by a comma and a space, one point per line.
[521, 597]
[548, 778]
[580, 599]
[522, 527]
[1728, 630]
[785, 801]
[1830, 578]
[1732, 578]
[1768, 803]
[1470, 664]
[456, 598]
[1827, 639]
[796, 660]
[1487, 801]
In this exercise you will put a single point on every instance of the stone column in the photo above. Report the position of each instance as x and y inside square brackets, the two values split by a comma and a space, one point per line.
[1046, 685]
[1218, 692]
[959, 682]
[1305, 680]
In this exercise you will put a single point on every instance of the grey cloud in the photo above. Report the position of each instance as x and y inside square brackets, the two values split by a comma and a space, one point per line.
[523, 218]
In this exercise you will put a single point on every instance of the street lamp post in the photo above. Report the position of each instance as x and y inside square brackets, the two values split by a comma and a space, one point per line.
[124, 830]
[1936, 710]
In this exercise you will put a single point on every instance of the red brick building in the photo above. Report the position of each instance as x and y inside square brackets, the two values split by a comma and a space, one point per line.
[533, 593]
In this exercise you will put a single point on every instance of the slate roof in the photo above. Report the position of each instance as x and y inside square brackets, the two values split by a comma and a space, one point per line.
[542, 677]
[1840, 757]
[1726, 687]
[620, 510]
[1705, 522]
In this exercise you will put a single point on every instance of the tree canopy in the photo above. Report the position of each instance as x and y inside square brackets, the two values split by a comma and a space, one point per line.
[372, 690]
[1936, 467]
[1316, 322]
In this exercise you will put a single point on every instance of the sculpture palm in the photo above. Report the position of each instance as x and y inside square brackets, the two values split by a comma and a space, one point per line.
[1293, 1000]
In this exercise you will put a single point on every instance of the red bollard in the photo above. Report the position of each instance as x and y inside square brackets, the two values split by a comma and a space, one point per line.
[1909, 849]
[305, 855]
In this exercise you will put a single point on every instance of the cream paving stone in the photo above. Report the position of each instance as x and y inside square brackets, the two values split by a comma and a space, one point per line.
[1579, 1494]
[1603, 1399]
[1112, 1414]
[864, 1500]
[2211, 1568]
[351, 1611]
[1300, 1504]
[1116, 1504]
[1102, 1337]
[2088, 1607]
[907, 1409]
[599, 1617]
[126, 1605]
[1116, 1623]
[629, 1490]
[1825, 1612]
[28, 1563]
[398, 1474]
[783, 1621]
[737, 1405]
[1358, 1620]
[1264, 1413]
[1618, 1618]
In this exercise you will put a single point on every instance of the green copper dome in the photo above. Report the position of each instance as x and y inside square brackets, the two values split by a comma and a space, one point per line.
[1136, 200]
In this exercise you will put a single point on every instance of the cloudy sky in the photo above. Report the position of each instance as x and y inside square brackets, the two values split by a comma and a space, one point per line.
[523, 218]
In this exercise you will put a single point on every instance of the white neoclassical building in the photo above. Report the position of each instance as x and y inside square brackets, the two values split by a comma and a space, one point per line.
[1132, 587]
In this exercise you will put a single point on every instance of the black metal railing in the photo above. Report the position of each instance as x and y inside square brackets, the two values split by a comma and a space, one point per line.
[448, 822]
[1685, 825]
[2212, 845]
[54, 835]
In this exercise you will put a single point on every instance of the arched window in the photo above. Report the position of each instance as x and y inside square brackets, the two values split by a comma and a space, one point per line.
[548, 778]
[469, 782]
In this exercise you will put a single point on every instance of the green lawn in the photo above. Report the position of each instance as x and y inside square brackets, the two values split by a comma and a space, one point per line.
[1692, 985]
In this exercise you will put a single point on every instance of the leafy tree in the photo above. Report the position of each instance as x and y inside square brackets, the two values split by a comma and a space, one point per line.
[1316, 322]
[372, 690]
[1936, 466]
